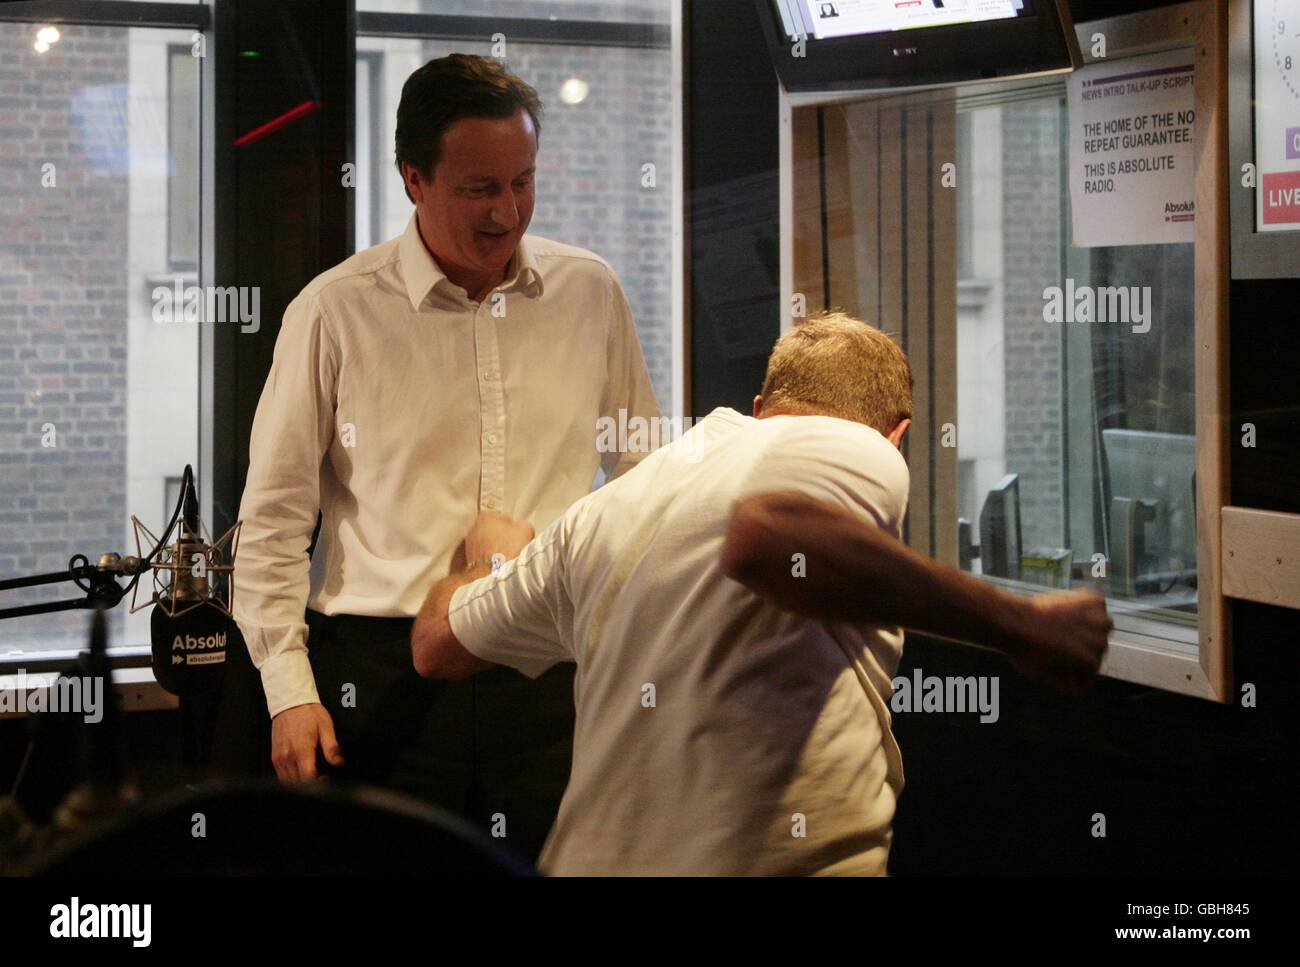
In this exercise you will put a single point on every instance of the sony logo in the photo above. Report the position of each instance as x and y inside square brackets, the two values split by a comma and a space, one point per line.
[904, 51]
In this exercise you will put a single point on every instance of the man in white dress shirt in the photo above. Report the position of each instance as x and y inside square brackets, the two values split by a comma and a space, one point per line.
[734, 609]
[459, 368]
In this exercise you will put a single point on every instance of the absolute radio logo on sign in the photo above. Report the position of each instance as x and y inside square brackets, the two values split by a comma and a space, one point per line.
[1282, 198]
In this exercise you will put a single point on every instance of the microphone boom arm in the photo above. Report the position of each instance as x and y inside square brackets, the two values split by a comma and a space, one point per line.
[100, 581]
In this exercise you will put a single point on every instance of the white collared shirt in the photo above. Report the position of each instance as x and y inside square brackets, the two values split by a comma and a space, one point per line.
[400, 408]
[716, 733]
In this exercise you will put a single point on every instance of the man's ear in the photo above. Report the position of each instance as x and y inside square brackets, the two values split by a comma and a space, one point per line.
[758, 405]
[895, 436]
[415, 184]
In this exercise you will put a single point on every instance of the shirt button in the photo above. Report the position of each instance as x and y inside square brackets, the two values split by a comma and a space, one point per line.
[492, 439]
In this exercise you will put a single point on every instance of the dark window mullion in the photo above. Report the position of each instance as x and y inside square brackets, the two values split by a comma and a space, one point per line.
[528, 30]
[109, 13]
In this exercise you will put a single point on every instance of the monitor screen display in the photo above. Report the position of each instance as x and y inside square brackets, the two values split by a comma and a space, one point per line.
[834, 46]
[827, 19]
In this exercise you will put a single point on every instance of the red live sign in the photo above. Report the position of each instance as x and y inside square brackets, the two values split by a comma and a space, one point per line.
[1282, 198]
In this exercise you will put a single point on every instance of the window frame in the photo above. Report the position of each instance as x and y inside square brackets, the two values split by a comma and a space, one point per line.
[222, 405]
[584, 33]
[179, 263]
[1136, 654]
[137, 690]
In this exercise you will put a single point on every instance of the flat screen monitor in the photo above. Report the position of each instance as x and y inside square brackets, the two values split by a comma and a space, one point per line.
[846, 45]
[1158, 469]
[821, 19]
[1000, 530]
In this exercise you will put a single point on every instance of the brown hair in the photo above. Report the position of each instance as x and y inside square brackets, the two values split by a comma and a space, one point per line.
[449, 88]
[836, 364]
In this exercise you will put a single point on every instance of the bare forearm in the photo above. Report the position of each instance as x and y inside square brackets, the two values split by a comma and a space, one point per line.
[493, 539]
[855, 572]
[431, 630]
[438, 600]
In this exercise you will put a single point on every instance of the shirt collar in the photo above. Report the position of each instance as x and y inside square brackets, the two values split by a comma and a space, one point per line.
[421, 272]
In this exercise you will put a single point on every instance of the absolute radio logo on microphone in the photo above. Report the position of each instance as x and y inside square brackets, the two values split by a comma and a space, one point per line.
[199, 649]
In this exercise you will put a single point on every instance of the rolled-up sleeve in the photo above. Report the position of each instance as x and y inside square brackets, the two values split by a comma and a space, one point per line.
[628, 386]
[520, 615]
[292, 429]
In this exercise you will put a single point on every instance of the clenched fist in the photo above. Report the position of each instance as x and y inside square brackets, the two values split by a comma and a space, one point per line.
[1063, 638]
[495, 533]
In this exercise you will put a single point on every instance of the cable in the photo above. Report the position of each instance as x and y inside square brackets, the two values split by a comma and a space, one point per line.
[187, 480]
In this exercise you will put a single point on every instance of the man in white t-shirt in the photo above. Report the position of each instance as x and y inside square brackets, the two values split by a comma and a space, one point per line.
[733, 606]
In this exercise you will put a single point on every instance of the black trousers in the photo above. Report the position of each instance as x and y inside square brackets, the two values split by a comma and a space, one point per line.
[495, 748]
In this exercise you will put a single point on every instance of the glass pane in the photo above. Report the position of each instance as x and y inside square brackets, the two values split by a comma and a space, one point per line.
[594, 145]
[98, 402]
[1077, 453]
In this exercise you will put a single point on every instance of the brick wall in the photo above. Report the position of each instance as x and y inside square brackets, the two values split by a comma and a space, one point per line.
[589, 176]
[64, 273]
[589, 172]
[589, 167]
[1031, 147]
[63, 310]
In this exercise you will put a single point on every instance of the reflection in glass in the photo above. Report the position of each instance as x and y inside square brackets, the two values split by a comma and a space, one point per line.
[1076, 458]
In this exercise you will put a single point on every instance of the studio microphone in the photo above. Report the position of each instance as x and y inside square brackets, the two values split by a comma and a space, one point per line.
[191, 621]
[189, 650]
